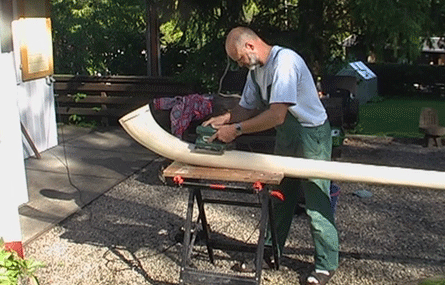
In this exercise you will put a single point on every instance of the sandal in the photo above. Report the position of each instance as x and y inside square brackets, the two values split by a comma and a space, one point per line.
[319, 278]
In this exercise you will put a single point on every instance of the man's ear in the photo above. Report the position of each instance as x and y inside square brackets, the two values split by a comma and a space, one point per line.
[249, 46]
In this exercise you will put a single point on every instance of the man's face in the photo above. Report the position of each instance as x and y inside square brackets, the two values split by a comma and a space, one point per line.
[244, 58]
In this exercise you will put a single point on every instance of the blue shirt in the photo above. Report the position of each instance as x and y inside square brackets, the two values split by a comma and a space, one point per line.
[285, 78]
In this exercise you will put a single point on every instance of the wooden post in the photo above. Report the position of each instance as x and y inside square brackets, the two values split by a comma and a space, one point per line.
[152, 38]
[104, 120]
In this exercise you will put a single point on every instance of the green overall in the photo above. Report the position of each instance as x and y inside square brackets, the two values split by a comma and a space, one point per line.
[315, 143]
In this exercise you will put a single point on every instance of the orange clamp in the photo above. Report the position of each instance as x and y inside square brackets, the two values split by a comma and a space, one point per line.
[178, 179]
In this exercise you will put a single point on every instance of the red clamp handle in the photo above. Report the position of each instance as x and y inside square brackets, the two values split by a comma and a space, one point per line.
[178, 179]
[277, 194]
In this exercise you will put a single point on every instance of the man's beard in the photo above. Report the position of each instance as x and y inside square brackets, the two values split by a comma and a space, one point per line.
[253, 61]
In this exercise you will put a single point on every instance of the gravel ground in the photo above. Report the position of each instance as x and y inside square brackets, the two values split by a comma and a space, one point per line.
[129, 235]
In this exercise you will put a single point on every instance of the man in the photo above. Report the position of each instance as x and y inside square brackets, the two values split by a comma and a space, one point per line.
[280, 93]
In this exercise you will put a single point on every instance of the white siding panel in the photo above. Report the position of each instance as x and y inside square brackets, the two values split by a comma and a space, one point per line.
[37, 113]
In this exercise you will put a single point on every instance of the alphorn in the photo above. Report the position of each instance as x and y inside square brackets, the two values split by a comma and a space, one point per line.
[142, 127]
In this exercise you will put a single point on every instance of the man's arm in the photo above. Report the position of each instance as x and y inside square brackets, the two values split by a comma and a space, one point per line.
[268, 119]
[237, 114]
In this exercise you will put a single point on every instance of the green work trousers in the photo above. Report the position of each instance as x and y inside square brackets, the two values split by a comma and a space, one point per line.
[314, 143]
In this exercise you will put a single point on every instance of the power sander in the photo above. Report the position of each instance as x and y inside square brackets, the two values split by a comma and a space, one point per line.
[202, 145]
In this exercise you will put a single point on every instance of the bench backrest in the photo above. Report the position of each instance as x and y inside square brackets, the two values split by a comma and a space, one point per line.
[428, 118]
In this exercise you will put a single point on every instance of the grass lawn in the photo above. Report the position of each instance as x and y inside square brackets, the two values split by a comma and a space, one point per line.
[434, 281]
[396, 117]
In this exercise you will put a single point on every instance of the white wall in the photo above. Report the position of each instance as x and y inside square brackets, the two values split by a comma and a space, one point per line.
[13, 187]
[37, 112]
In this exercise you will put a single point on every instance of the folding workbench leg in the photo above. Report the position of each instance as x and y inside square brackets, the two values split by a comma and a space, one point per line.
[273, 231]
[187, 231]
[205, 226]
[261, 239]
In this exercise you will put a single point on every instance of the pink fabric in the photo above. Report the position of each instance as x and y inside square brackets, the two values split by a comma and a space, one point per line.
[184, 109]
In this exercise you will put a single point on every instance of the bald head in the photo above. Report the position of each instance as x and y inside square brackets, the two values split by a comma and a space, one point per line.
[245, 47]
[239, 36]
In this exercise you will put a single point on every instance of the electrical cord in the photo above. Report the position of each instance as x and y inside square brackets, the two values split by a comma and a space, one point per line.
[82, 202]
[134, 264]
[222, 79]
[224, 75]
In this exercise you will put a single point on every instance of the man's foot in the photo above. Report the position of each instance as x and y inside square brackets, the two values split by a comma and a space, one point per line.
[319, 277]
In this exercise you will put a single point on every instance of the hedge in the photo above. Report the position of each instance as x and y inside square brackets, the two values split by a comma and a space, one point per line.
[410, 80]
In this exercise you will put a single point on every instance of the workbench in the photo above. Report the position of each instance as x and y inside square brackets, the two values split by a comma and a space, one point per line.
[197, 179]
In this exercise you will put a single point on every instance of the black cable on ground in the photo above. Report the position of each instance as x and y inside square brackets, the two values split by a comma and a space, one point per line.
[83, 205]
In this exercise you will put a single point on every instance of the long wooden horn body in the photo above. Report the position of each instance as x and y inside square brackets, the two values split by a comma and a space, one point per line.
[141, 126]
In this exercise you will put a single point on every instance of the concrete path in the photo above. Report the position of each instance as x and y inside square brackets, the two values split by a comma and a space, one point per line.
[84, 165]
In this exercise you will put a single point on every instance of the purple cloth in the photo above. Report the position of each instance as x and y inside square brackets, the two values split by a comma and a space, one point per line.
[184, 109]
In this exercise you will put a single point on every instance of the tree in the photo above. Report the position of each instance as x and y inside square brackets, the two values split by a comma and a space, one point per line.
[198, 56]
[395, 26]
[99, 36]
[108, 36]
[435, 25]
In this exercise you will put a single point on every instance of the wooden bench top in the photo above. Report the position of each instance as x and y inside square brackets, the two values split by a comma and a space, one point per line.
[224, 174]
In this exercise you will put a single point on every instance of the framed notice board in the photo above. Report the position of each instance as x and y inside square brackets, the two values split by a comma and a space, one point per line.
[36, 52]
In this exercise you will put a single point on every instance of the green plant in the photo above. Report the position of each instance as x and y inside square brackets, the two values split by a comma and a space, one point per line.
[14, 269]
[88, 124]
[79, 96]
[75, 119]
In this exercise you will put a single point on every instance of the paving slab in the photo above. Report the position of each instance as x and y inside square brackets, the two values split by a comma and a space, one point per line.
[116, 163]
[66, 133]
[85, 164]
[114, 139]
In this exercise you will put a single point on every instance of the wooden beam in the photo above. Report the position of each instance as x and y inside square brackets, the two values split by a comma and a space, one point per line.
[115, 100]
[120, 87]
[90, 112]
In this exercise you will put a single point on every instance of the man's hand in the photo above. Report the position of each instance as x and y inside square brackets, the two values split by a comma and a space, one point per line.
[218, 121]
[225, 133]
